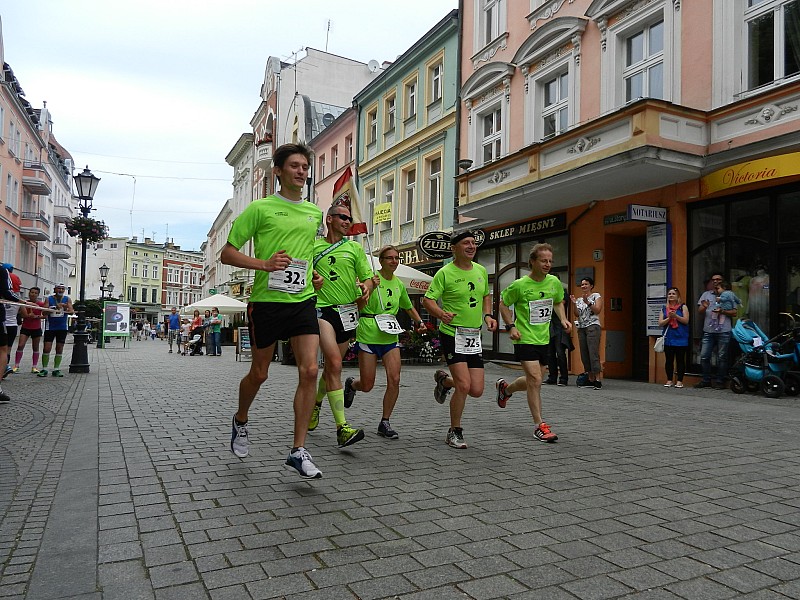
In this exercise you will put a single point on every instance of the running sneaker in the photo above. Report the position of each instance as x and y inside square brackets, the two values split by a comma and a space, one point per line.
[597, 384]
[35, 371]
[8, 371]
[4, 398]
[300, 460]
[57, 373]
[668, 384]
[543, 433]
[42, 373]
[15, 369]
[349, 392]
[385, 430]
[239, 439]
[679, 384]
[455, 438]
[440, 392]
[347, 436]
[313, 423]
[502, 395]
[563, 383]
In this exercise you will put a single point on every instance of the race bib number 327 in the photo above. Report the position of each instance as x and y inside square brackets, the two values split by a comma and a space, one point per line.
[292, 279]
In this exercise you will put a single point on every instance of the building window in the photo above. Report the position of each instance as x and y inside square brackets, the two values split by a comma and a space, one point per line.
[134, 269]
[389, 110]
[436, 82]
[348, 144]
[155, 271]
[434, 184]
[334, 158]
[491, 124]
[388, 197]
[644, 63]
[369, 194]
[491, 21]
[555, 105]
[372, 126]
[154, 295]
[410, 99]
[132, 294]
[144, 295]
[321, 168]
[410, 177]
[773, 40]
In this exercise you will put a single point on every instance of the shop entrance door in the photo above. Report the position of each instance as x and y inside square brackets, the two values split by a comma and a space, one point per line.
[789, 284]
[639, 341]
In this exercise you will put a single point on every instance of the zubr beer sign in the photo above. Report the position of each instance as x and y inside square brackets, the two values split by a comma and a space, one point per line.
[436, 244]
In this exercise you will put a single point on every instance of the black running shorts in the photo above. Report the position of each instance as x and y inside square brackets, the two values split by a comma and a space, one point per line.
[273, 321]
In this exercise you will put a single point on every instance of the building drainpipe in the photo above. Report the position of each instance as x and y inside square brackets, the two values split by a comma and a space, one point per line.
[458, 111]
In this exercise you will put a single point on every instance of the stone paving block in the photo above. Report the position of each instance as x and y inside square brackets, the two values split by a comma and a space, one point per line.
[684, 568]
[702, 589]
[119, 551]
[790, 589]
[744, 579]
[780, 568]
[596, 588]
[642, 578]
[542, 576]
[165, 537]
[191, 591]
[338, 576]
[233, 592]
[383, 567]
[436, 576]
[588, 566]
[382, 587]
[161, 555]
[277, 587]
[491, 587]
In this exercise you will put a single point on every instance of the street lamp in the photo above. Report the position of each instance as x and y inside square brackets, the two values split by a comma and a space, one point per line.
[103, 276]
[85, 187]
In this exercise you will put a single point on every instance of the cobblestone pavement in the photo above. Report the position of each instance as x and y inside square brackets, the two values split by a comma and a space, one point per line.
[119, 485]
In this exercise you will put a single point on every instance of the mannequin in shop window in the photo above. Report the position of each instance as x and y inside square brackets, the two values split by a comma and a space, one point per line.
[758, 297]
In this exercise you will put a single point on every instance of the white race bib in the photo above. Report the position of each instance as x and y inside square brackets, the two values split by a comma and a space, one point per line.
[292, 279]
[468, 340]
[388, 324]
[348, 313]
[540, 311]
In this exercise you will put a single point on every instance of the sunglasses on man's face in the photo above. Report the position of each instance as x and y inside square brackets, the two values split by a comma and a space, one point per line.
[342, 217]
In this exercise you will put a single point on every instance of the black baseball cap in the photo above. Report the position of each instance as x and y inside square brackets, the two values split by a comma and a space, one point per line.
[457, 237]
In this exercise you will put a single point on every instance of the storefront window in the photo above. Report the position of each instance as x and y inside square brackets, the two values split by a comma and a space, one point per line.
[486, 259]
[789, 217]
[750, 218]
[707, 224]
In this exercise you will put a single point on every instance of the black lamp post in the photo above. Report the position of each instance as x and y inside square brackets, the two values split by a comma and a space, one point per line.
[103, 276]
[85, 187]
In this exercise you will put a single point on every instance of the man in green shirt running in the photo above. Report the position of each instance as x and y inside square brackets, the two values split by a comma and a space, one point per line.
[463, 287]
[282, 304]
[347, 277]
[534, 298]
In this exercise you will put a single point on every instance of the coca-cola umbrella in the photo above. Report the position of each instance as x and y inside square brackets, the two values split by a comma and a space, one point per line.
[416, 282]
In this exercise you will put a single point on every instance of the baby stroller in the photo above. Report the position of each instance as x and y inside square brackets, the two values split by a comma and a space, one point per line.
[196, 345]
[765, 363]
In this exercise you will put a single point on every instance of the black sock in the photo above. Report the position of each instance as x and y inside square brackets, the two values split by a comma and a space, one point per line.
[238, 422]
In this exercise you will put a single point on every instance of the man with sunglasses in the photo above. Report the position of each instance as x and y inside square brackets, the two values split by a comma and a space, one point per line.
[717, 334]
[347, 277]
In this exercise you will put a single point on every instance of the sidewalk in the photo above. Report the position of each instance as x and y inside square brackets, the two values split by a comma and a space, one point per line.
[119, 484]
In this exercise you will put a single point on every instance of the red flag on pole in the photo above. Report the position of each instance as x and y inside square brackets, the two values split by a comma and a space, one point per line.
[345, 194]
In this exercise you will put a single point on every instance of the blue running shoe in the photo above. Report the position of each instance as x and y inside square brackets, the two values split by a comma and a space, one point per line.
[300, 460]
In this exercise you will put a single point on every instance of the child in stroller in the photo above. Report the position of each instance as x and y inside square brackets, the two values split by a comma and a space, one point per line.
[195, 345]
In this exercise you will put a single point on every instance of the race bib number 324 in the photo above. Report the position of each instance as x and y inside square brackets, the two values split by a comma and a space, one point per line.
[292, 279]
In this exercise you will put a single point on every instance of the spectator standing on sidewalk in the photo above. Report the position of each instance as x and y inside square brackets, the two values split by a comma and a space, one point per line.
[12, 310]
[716, 334]
[675, 321]
[283, 228]
[6, 293]
[215, 332]
[174, 331]
[535, 298]
[463, 287]
[560, 342]
[57, 328]
[589, 305]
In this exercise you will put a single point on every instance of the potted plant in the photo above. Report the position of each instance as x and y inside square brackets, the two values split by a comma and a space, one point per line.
[88, 229]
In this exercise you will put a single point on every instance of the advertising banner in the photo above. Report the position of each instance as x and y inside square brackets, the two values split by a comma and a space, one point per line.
[116, 319]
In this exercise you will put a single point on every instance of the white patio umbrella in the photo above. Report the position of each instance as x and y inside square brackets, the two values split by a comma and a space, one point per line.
[225, 304]
[416, 282]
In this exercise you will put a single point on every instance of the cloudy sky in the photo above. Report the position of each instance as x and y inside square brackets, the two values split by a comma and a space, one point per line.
[152, 95]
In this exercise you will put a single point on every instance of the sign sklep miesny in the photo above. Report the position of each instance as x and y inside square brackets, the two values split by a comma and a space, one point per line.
[540, 226]
[654, 214]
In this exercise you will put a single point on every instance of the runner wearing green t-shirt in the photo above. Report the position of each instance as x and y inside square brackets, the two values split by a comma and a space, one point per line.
[347, 277]
[534, 298]
[282, 305]
[377, 336]
[463, 287]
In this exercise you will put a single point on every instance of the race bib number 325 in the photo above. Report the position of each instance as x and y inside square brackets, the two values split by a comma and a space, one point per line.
[292, 279]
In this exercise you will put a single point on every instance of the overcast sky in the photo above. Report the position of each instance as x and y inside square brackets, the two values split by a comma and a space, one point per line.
[152, 95]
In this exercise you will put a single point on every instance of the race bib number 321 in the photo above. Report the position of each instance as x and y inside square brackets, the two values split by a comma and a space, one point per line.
[292, 279]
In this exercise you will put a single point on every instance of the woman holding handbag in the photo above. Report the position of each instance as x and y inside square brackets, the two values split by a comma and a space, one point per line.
[675, 321]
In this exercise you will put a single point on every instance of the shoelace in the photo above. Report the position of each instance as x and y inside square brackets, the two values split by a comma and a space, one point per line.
[544, 428]
[241, 431]
[304, 455]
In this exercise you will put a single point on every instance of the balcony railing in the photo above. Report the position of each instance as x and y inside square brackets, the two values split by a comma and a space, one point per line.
[62, 213]
[264, 156]
[35, 178]
[35, 226]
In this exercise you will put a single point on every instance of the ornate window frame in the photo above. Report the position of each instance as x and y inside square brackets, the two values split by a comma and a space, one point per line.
[485, 90]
